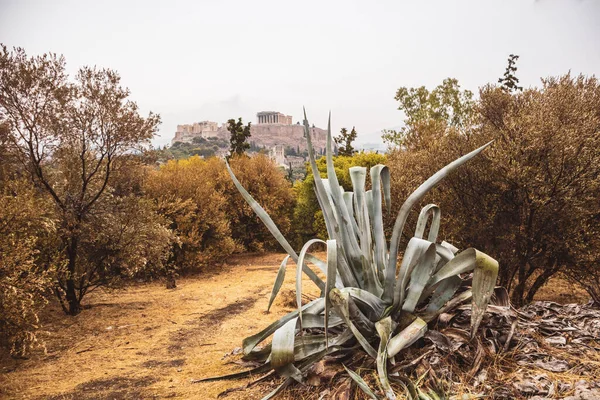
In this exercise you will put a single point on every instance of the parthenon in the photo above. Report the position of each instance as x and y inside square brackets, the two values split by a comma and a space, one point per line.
[273, 117]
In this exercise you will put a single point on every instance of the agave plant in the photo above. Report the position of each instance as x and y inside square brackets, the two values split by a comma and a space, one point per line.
[366, 302]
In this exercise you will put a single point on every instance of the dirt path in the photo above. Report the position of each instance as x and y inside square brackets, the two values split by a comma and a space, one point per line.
[149, 342]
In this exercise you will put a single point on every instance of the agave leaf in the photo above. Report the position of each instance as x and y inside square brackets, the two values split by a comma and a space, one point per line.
[380, 174]
[299, 274]
[484, 280]
[278, 390]
[434, 211]
[372, 306]
[361, 383]
[322, 197]
[304, 349]
[369, 205]
[415, 249]
[340, 302]
[322, 265]
[278, 281]
[358, 176]
[304, 346]
[282, 347]
[419, 278]
[314, 307]
[341, 211]
[346, 273]
[349, 200]
[238, 375]
[450, 247]
[443, 256]
[384, 329]
[463, 296]
[413, 199]
[290, 371]
[266, 219]
[463, 262]
[310, 321]
[406, 337]
[443, 292]
[330, 281]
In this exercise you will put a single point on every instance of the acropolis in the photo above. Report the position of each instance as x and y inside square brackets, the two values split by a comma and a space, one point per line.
[273, 117]
[272, 128]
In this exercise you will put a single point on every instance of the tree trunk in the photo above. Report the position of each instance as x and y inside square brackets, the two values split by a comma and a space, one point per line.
[70, 292]
[171, 282]
[538, 283]
[517, 295]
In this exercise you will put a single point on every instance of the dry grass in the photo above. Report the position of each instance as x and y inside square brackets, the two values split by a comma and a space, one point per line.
[149, 342]
[563, 291]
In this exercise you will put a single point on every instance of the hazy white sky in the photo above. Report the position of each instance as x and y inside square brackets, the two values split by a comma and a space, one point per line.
[214, 60]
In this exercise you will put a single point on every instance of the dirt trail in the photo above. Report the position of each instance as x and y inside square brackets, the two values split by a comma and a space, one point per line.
[149, 342]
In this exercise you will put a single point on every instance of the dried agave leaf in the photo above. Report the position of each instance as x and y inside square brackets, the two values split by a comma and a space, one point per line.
[278, 281]
[484, 280]
[340, 302]
[384, 329]
[406, 337]
[361, 383]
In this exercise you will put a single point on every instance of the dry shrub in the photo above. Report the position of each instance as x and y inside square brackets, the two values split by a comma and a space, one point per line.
[267, 184]
[531, 198]
[188, 194]
[24, 283]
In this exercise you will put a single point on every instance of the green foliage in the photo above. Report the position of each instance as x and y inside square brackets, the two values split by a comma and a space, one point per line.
[203, 147]
[446, 105]
[308, 219]
[239, 137]
[344, 142]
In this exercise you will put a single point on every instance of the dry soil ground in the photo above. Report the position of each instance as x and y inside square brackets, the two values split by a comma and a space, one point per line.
[149, 342]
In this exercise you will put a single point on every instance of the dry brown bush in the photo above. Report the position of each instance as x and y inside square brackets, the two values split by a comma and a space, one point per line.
[531, 199]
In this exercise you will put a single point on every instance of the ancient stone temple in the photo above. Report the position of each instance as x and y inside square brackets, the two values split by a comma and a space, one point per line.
[273, 117]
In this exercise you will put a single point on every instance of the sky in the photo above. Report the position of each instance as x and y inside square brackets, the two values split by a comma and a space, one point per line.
[219, 59]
